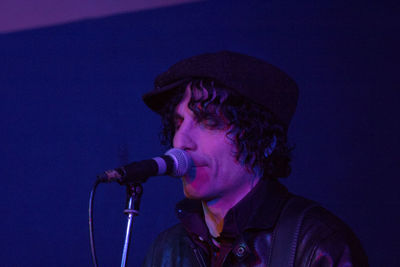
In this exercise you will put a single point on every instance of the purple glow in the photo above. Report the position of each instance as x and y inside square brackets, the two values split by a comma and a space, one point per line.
[20, 14]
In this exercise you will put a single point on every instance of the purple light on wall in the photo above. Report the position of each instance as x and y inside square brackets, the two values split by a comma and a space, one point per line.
[18, 15]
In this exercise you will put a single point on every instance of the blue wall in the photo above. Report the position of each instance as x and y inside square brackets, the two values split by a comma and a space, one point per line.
[71, 108]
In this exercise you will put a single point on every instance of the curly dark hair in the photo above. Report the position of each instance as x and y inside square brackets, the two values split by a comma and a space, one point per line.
[252, 128]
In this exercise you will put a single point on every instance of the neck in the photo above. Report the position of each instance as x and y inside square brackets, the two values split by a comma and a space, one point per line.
[216, 209]
[214, 218]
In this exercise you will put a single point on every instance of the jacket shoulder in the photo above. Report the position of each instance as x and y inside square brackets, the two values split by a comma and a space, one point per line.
[325, 240]
[170, 248]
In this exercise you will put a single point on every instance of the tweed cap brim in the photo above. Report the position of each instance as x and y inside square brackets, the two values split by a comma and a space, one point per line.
[248, 76]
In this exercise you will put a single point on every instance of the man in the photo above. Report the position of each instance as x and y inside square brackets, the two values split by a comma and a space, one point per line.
[230, 113]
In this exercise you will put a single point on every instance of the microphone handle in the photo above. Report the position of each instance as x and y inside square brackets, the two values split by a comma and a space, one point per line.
[139, 172]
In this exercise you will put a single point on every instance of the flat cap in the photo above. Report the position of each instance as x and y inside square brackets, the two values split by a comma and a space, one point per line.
[248, 76]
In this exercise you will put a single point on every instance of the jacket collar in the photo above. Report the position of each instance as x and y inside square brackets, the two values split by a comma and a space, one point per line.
[259, 209]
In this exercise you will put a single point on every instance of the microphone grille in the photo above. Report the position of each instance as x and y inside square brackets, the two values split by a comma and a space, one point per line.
[182, 161]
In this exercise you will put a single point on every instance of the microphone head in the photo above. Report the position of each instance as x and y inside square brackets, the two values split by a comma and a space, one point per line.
[182, 161]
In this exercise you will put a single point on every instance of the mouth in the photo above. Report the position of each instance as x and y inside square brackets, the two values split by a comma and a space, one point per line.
[197, 162]
[193, 171]
[198, 166]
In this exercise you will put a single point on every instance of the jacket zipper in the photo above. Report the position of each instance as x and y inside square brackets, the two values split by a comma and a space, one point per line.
[197, 253]
[199, 257]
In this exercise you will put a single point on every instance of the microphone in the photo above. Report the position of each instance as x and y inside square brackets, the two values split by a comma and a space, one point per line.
[175, 162]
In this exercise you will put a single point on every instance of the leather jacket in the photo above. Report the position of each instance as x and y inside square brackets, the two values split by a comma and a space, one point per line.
[248, 233]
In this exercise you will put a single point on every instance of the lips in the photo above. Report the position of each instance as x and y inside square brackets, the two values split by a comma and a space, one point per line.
[197, 162]
[197, 166]
[193, 170]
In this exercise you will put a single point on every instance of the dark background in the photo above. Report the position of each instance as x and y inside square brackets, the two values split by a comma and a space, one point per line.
[71, 108]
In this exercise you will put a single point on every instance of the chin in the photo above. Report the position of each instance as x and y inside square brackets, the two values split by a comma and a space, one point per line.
[190, 193]
[195, 186]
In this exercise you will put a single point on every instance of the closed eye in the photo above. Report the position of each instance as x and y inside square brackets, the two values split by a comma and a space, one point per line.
[212, 122]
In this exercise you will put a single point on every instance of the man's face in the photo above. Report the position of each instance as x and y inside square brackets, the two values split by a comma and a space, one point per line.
[216, 173]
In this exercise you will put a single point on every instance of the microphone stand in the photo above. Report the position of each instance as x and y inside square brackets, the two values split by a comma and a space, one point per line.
[134, 192]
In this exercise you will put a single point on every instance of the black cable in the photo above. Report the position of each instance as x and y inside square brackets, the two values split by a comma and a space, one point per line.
[91, 199]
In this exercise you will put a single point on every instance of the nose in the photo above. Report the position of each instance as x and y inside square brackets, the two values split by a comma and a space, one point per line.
[184, 138]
